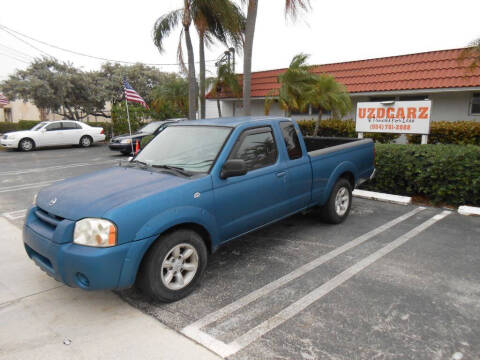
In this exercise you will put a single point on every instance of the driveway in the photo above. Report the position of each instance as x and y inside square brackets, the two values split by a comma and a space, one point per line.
[391, 282]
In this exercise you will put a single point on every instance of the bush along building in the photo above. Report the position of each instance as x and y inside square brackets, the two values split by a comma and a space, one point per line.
[435, 75]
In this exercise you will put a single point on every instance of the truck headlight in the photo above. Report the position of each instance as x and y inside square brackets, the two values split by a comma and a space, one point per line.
[126, 141]
[95, 232]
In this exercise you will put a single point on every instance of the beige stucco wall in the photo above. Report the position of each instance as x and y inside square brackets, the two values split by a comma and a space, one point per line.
[27, 111]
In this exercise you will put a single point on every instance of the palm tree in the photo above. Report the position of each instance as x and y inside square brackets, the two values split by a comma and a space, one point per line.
[212, 18]
[329, 95]
[162, 28]
[291, 9]
[226, 79]
[295, 84]
[472, 53]
[221, 19]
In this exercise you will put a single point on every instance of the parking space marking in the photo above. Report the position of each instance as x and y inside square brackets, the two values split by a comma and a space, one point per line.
[28, 186]
[15, 215]
[194, 330]
[56, 167]
[330, 285]
[300, 271]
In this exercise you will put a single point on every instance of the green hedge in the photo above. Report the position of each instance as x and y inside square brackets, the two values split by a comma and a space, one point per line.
[341, 128]
[451, 132]
[146, 140]
[442, 173]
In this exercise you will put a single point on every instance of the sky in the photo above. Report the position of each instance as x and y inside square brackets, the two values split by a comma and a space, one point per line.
[332, 31]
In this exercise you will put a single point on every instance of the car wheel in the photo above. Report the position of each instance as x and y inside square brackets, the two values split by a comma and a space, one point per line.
[339, 203]
[174, 266]
[86, 141]
[26, 145]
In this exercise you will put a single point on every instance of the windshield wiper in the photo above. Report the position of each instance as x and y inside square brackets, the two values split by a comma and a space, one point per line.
[174, 168]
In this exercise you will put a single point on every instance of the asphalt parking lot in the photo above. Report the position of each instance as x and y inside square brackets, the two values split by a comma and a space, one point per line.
[391, 282]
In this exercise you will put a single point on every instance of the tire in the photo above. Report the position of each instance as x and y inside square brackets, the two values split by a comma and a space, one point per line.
[26, 145]
[339, 203]
[158, 275]
[86, 141]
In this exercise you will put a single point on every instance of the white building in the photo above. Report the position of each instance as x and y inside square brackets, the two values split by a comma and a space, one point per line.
[436, 75]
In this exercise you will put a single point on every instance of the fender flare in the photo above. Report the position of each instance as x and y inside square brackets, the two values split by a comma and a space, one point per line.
[178, 216]
[345, 166]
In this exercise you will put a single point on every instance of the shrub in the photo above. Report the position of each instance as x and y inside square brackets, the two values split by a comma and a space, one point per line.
[341, 128]
[442, 173]
[451, 132]
[7, 126]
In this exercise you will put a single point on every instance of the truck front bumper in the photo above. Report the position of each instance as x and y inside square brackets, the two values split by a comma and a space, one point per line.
[89, 268]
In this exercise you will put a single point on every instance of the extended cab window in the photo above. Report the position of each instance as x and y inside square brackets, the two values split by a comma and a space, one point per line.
[291, 140]
[256, 147]
[54, 127]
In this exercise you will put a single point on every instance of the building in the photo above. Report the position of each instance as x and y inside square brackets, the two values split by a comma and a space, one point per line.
[434, 75]
[18, 110]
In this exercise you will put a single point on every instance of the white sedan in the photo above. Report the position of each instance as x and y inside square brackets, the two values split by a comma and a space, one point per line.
[53, 133]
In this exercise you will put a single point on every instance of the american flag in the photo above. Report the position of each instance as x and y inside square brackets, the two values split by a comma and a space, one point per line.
[3, 100]
[132, 95]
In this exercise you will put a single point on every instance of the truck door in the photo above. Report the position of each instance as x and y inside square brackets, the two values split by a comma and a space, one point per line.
[298, 185]
[246, 202]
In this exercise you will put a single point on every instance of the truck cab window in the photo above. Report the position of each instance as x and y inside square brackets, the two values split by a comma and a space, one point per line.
[257, 148]
[291, 140]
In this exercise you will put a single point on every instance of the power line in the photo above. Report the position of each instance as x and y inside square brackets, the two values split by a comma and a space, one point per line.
[25, 42]
[14, 58]
[9, 30]
[20, 53]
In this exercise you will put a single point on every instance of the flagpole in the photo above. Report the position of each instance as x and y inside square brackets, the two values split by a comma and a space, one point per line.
[129, 127]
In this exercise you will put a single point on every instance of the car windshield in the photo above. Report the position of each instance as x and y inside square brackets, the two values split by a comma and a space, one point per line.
[149, 128]
[38, 126]
[191, 148]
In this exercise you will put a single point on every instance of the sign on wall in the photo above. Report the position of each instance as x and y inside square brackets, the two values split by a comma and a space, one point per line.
[401, 117]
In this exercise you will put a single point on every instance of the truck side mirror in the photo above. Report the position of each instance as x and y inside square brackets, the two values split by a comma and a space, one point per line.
[236, 167]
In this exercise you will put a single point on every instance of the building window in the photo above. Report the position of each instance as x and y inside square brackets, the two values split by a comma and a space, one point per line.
[475, 105]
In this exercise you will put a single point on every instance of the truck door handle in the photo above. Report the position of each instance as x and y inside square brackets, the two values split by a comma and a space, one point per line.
[282, 173]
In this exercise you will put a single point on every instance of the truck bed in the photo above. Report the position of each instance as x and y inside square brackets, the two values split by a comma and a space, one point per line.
[317, 145]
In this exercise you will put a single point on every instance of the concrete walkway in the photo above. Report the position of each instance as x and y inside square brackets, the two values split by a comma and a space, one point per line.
[42, 319]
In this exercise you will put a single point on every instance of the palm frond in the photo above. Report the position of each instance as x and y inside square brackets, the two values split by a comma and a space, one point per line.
[181, 60]
[164, 26]
[293, 7]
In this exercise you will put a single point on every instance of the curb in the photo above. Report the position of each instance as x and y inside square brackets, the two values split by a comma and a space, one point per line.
[395, 199]
[469, 210]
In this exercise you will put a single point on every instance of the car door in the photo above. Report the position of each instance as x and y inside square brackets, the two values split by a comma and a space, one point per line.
[52, 134]
[298, 185]
[71, 132]
[246, 202]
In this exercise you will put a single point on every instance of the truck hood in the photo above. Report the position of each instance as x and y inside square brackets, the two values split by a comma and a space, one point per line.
[94, 194]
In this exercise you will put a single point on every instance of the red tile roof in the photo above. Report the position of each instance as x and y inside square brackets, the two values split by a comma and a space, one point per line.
[428, 70]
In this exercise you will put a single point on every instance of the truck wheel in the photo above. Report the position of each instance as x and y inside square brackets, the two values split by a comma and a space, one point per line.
[338, 205]
[174, 266]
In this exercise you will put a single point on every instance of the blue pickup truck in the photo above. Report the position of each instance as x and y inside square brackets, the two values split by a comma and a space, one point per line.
[153, 220]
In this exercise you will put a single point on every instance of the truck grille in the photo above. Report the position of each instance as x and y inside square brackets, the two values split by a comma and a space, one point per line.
[46, 217]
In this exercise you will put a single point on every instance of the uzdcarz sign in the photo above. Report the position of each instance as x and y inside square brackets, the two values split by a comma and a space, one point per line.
[404, 117]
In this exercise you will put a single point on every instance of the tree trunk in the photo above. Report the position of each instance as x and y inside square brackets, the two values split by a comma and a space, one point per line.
[219, 108]
[201, 36]
[247, 55]
[192, 81]
[317, 124]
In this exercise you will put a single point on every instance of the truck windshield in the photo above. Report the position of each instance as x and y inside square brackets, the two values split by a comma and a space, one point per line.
[192, 148]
